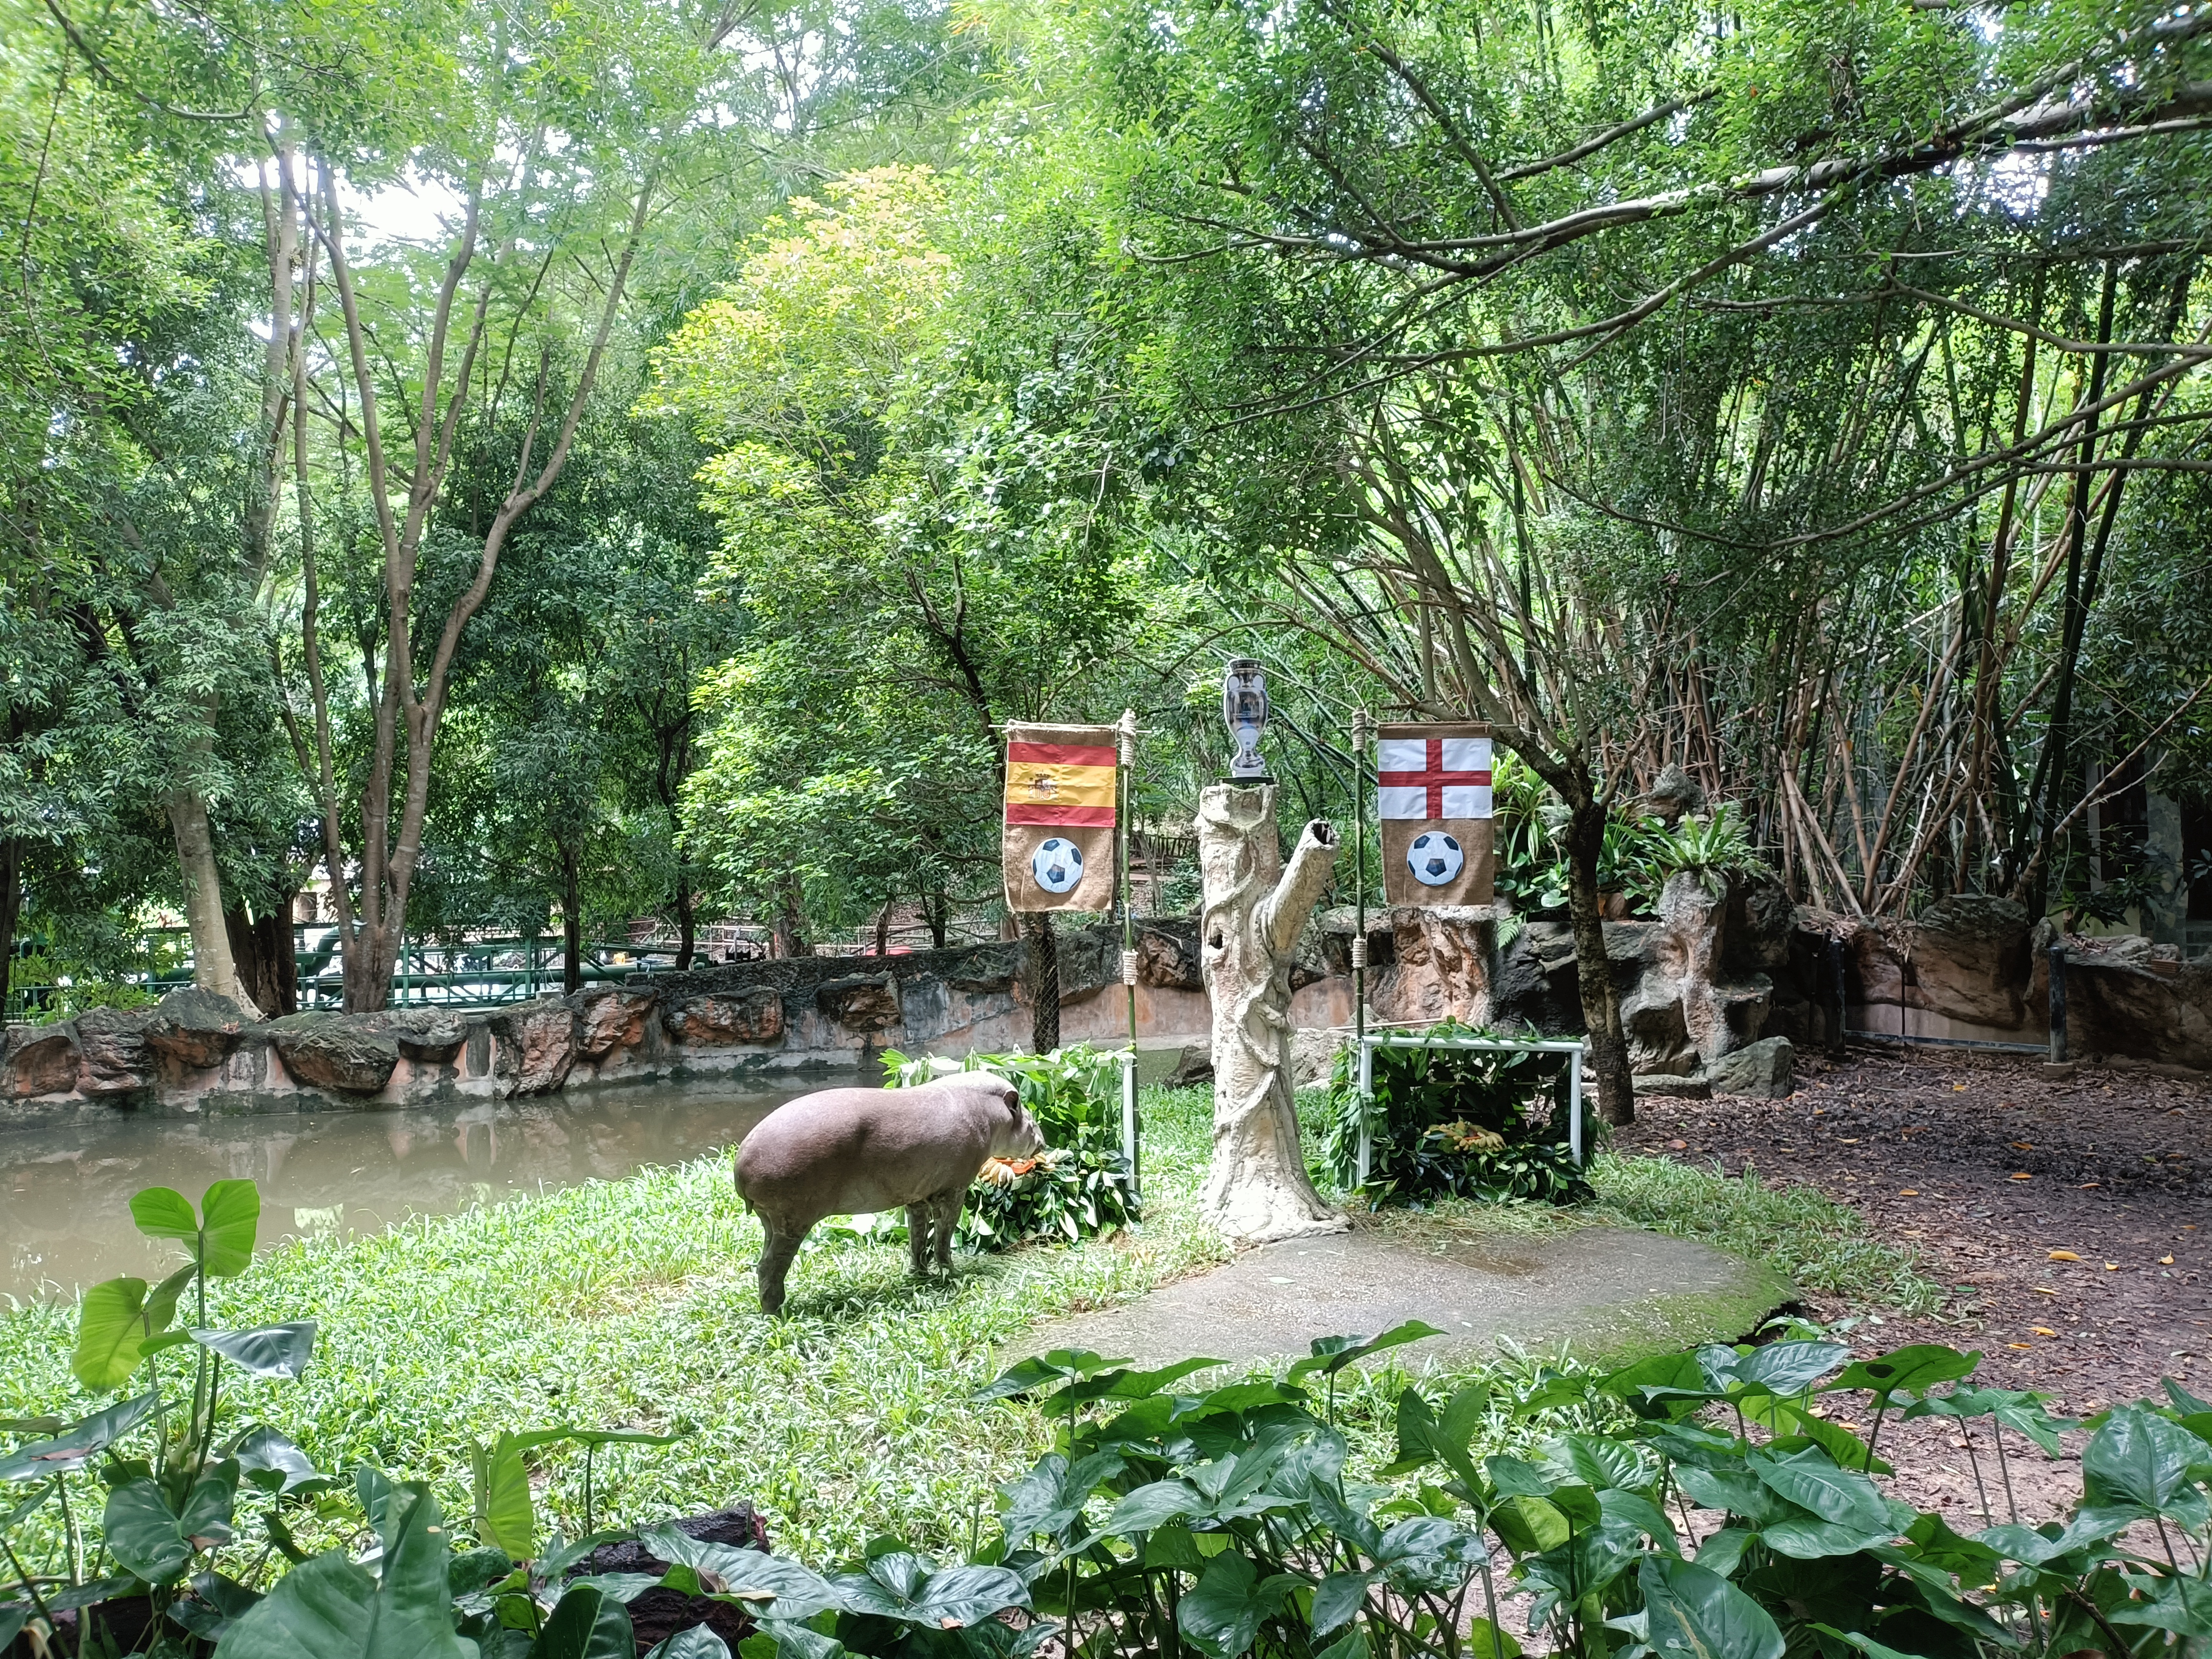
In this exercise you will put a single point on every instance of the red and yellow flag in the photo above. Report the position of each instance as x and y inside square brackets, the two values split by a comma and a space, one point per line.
[1058, 854]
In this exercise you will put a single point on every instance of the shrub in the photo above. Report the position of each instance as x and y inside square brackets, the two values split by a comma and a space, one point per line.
[1451, 1123]
[1080, 1184]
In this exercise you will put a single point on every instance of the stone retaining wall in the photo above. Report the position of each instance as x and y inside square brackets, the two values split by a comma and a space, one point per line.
[193, 1052]
[1714, 991]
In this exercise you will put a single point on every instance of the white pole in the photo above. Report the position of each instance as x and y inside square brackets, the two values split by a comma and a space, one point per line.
[1575, 1104]
[1366, 1105]
[1129, 1113]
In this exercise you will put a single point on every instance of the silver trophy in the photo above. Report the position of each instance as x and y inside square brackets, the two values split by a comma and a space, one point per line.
[1244, 707]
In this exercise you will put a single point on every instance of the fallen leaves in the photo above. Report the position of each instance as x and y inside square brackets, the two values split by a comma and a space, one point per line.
[2042, 1330]
[2112, 1266]
[2023, 1145]
[2042, 1289]
[2019, 1345]
[1908, 1192]
[1958, 1088]
[2166, 1261]
[2064, 1256]
[2019, 1174]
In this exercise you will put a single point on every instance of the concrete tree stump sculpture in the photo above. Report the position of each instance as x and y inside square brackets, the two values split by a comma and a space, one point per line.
[1256, 1188]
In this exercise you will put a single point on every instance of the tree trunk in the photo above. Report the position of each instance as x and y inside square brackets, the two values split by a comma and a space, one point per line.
[933, 909]
[785, 937]
[1256, 1186]
[1042, 966]
[883, 928]
[261, 947]
[1609, 1043]
[11, 910]
[572, 920]
[213, 968]
[687, 922]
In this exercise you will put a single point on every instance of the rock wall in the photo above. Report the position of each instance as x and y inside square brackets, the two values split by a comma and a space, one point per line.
[1715, 992]
[194, 1052]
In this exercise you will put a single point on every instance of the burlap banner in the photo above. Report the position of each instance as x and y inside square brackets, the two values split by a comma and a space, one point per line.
[1434, 792]
[1059, 848]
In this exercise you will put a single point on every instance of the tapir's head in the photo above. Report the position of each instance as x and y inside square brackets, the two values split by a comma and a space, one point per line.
[1014, 1131]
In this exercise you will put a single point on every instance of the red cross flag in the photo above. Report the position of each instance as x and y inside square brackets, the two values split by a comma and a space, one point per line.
[1435, 798]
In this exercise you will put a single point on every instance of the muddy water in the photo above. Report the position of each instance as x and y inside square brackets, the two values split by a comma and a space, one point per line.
[65, 1185]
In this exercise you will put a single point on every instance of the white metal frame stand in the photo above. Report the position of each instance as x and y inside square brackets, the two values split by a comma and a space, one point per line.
[1370, 1041]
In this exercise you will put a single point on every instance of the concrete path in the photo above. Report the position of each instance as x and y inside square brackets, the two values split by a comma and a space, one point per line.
[1611, 1292]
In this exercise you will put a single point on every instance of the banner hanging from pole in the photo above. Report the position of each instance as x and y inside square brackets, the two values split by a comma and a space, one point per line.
[1433, 785]
[1059, 848]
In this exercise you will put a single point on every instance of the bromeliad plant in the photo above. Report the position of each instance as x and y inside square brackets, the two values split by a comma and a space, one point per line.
[1080, 1185]
[1452, 1123]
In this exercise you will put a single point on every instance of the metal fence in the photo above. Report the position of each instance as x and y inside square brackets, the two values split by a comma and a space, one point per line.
[471, 972]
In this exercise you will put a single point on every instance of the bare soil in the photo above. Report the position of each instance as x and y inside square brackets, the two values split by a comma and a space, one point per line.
[2069, 1213]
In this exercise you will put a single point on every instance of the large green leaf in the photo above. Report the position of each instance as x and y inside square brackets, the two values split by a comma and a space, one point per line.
[1331, 1354]
[792, 1592]
[1594, 1462]
[2182, 1603]
[696, 1643]
[230, 1214]
[1220, 1615]
[587, 1624]
[1698, 1615]
[1044, 1371]
[2139, 1457]
[1426, 1554]
[506, 1516]
[111, 1332]
[156, 1543]
[1338, 1597]
[265, 1350]
[164, 1212]
[1811, 1479]
[1790, 1367]
[272, 1462]
[1911, 1370]
[66, 1452]
[1154, 1504]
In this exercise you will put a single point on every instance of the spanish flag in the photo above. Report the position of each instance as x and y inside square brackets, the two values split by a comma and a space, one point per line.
[1059, 848]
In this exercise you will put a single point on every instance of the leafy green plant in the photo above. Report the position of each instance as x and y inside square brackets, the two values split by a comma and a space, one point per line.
[1450, 1123]
[178, 1472]
[1710, 848]
[1080, 1185]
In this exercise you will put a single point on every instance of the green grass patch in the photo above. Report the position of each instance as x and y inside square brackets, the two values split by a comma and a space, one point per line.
[630, 1303]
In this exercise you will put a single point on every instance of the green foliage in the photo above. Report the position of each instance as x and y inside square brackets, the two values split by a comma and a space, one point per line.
[1080, 1185]
[1451, 1123]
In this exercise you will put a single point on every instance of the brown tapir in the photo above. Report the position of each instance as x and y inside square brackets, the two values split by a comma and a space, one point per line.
[845, 1152]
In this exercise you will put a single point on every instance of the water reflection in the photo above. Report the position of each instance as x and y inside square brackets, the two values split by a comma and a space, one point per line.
[65, 1187]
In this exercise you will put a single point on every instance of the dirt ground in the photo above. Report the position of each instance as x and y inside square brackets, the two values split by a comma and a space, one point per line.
[2070, 1214]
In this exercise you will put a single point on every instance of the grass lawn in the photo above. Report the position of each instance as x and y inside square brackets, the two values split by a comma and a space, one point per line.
[631, 1303]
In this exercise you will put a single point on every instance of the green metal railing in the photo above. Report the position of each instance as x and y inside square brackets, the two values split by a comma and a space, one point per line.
[474, 972]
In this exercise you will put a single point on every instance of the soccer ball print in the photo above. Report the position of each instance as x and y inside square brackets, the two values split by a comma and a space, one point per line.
[1057, 864]
[1435, 857]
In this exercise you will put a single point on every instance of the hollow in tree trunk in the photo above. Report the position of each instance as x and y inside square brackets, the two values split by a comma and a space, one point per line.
[1041, 965]
[261, 948]
[1608, 1042]
[1257, 1188]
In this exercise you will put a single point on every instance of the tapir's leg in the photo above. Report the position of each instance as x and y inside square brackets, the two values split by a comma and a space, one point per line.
[776, 1261]
[919, 1220]
[945, 1208]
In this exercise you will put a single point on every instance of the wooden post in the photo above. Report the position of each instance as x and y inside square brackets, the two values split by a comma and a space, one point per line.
[1256, 1188]
[2057, 959]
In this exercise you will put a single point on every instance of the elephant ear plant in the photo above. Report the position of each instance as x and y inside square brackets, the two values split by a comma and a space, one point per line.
[167, 1511]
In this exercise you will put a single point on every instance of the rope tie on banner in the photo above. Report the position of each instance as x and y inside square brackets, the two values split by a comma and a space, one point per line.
[1128, 968]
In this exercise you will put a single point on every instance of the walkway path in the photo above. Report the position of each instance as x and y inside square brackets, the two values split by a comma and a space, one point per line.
[1609, 1292]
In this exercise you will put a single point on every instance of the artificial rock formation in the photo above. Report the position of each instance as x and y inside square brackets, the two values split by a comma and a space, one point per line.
[1257, 1188]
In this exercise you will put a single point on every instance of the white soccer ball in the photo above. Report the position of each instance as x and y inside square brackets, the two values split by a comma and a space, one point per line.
[1057, 865]
[1435, 857]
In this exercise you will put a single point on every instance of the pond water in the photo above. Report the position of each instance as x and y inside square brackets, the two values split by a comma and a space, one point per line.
[65, 1185]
